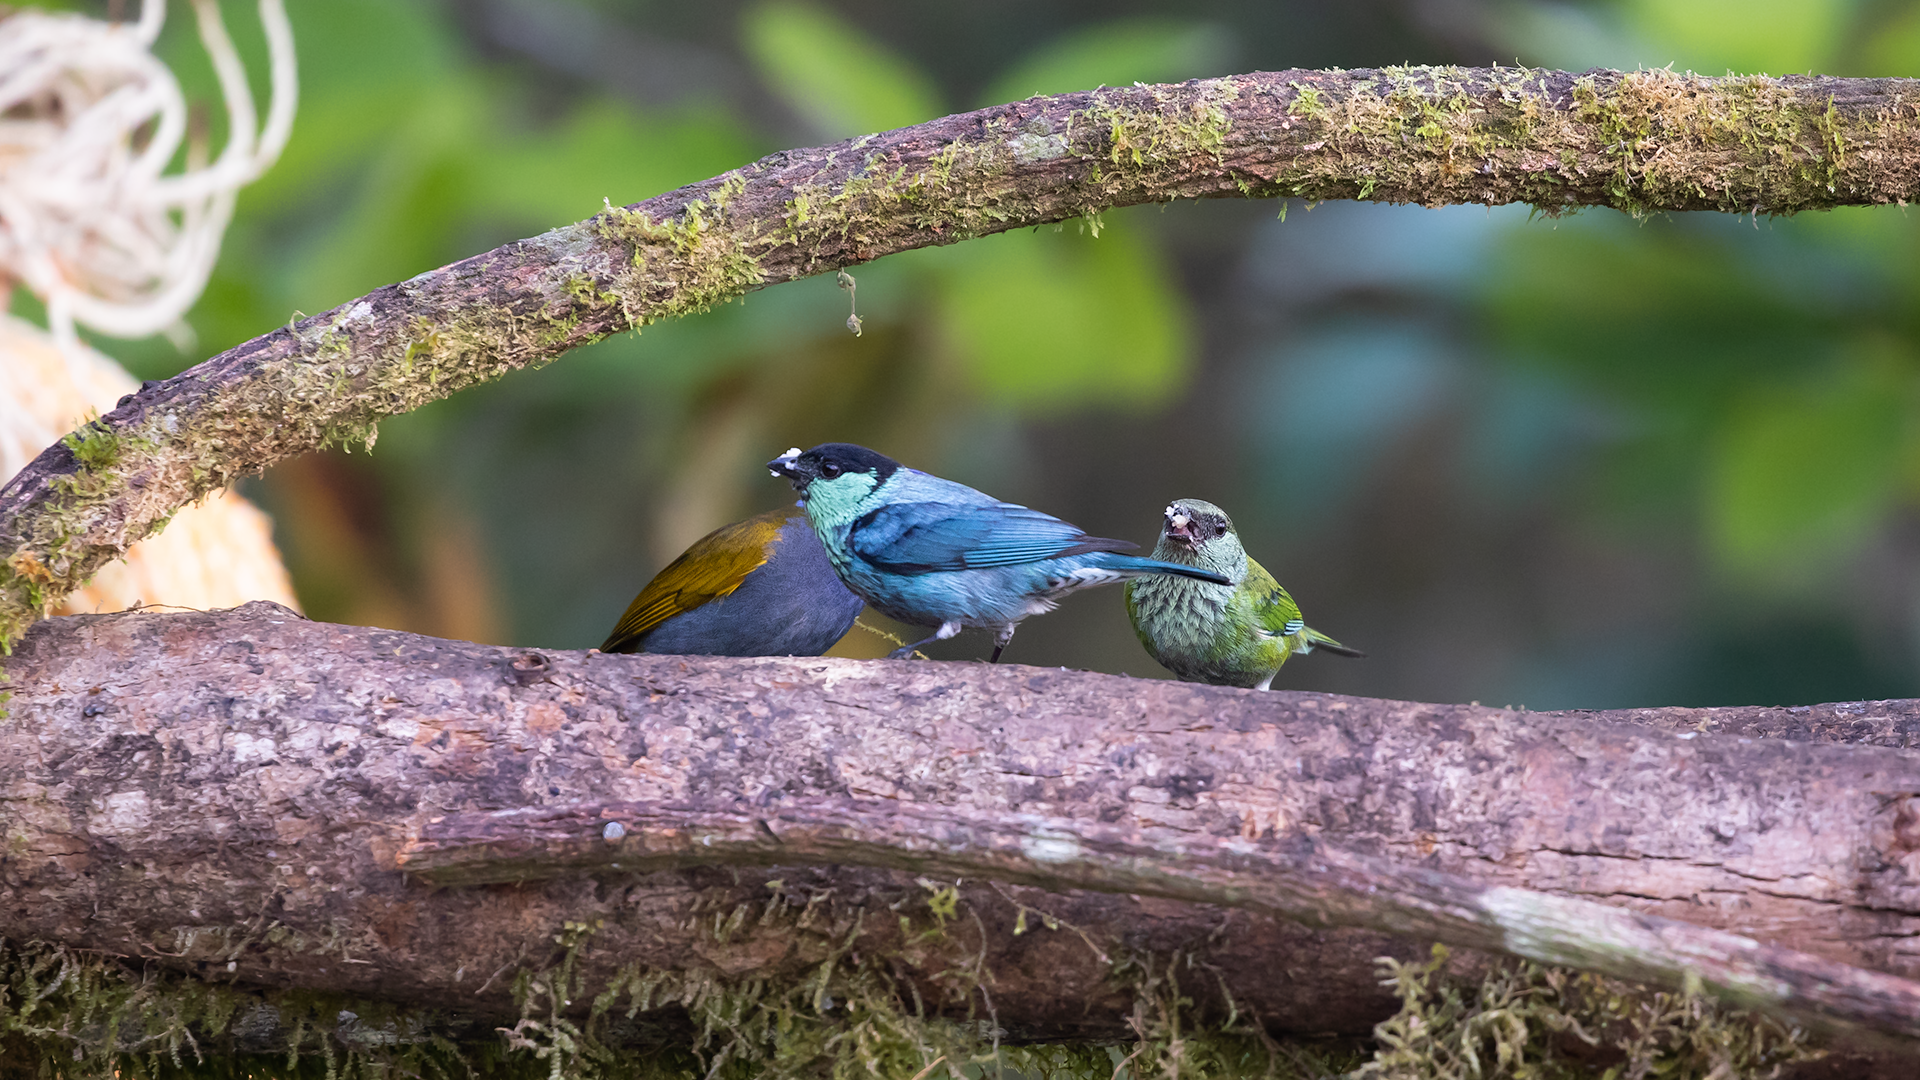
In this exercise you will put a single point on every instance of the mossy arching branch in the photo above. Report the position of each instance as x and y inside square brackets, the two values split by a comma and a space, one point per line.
[1639, 142]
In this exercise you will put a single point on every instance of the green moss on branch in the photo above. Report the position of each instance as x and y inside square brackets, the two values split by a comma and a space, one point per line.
[77, 1017]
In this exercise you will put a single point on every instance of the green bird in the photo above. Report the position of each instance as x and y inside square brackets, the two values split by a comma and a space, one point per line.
[1227, 635]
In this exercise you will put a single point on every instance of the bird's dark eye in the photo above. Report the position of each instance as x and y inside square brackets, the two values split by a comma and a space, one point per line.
[1220, 528]
[828, 470]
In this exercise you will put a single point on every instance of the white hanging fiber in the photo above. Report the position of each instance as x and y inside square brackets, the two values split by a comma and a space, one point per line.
[89, 119]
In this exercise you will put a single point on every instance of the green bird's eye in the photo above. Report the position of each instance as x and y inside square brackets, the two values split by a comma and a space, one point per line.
[829, 470]
[1220, 529]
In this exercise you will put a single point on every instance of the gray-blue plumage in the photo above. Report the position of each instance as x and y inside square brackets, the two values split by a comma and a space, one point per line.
[759, 587]
[934, 553]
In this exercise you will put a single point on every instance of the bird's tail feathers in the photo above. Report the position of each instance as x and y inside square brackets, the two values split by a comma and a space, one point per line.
[1137, 565]
[1322, 641]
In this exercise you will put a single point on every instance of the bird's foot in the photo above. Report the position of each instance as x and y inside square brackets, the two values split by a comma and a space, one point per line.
[1000, 643]
[905, 652]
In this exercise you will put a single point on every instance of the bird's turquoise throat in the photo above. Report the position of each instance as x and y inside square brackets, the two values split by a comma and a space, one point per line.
[835, 503]
[832, 507]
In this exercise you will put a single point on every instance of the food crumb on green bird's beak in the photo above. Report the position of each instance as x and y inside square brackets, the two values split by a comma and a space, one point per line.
[1180, 525]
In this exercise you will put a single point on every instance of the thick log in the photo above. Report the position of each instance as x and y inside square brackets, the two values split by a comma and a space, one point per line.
[1644, 141]
[232, 794]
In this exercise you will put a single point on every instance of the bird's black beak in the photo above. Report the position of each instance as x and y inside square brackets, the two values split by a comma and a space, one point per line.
[788, 467]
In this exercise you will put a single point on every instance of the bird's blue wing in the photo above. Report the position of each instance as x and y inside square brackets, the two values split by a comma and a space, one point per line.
[924, 537]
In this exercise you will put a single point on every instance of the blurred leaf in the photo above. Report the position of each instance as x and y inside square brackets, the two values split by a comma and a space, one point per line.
[365, 67]
[1571, 37]
[1049, 319]
[1676, 321]
[1671, 315]
[360, 61]
[1329, 404]
[1747, 37]
[1116, 54]
[1893, 47]
[408, 199]
[1802, 475]
[604, 150]
[841, 80]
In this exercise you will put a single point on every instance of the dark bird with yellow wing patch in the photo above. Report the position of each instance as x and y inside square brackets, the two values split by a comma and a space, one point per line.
[759, 587]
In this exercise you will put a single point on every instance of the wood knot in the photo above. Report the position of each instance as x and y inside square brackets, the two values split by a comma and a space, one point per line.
[1896, 834]
[1904, 834]
[529, 668]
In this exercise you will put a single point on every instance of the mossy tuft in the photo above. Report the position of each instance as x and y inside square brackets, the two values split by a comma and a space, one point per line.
[1524, 1020]
[94, 445]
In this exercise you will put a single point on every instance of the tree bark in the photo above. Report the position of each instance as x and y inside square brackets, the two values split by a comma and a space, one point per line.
[242, 795]
[1640, 142]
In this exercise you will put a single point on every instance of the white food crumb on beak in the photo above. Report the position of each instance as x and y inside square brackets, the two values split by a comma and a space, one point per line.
[1179, 521]
[792, 452]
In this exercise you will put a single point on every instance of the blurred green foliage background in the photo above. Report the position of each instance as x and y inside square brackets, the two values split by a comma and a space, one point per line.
[1581, 462]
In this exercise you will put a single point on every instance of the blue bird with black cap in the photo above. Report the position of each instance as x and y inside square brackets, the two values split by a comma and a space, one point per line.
[933, 553]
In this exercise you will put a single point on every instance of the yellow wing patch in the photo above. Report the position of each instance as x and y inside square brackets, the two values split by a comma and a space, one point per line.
[713, 567]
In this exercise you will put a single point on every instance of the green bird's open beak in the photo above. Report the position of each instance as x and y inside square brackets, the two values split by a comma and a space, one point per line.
[1180, 527]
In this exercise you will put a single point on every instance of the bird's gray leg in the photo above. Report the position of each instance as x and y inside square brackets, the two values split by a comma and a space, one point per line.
[1000, 641]
[1267, 683]
[946, 631]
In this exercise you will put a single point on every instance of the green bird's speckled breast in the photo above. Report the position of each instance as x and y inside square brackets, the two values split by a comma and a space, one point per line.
[1209, 633]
